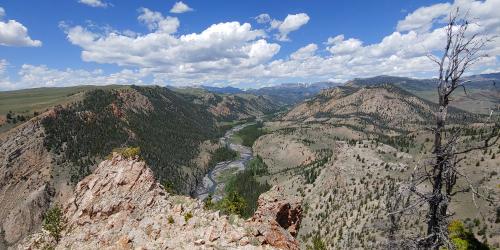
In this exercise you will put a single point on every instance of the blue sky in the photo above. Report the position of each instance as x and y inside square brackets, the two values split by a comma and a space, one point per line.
[294, 41]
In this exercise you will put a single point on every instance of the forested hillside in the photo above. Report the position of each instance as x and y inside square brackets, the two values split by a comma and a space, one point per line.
[145, 117]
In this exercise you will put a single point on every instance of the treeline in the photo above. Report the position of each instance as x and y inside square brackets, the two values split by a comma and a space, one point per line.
[257, 166]
[401, 142]
[312, 170]
[245, 185]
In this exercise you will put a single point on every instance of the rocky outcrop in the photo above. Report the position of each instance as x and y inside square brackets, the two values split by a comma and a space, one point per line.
[121, 206]
[278, 219]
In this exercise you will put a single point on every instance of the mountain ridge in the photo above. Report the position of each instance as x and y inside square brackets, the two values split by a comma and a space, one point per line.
[383, 105]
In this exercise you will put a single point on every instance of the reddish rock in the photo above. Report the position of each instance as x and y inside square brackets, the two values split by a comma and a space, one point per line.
[278, 219]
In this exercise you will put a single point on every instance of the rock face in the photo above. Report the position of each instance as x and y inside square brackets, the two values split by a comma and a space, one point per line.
[25, 181]
[278, 219]
[121, 206]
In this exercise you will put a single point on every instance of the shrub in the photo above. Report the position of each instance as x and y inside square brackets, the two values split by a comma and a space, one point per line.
[188, 216]
[497, 220]
[53, 223]
[170, 219]
[169, 187]
[317, 244]
[462, 238]
[129, 152]
[208, 203]
[233, 203]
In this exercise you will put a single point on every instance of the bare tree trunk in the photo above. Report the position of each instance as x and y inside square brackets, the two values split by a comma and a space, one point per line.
[436, 207]
[460, 52]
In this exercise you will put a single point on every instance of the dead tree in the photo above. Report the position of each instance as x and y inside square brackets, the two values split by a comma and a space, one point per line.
[442, 171]
[461, 51]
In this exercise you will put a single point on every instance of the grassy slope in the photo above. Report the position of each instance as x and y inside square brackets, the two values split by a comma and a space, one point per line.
[27, 101]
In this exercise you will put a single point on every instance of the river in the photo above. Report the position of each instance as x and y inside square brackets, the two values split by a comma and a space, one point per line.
[211, 183]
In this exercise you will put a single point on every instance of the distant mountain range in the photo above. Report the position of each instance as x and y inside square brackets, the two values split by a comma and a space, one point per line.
[483, 90]
[476, 82]
[223, 90]
[283, 94]
[229, 104]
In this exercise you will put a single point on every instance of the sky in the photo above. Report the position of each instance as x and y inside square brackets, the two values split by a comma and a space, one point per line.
[246, 44]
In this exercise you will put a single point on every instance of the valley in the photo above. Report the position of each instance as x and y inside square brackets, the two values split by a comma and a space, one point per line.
[213, 182]
[335, 157]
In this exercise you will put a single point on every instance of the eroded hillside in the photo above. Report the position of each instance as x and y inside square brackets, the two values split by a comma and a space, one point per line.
[382, 106]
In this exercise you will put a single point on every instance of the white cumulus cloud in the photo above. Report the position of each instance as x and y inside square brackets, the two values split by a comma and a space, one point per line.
[94, 3]
[32, 76]
[291, 23]
[304, 52]
[156, 21]
[339, 46]
[13, 33]
[180, 7]
[222, 47]
[423, 18]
